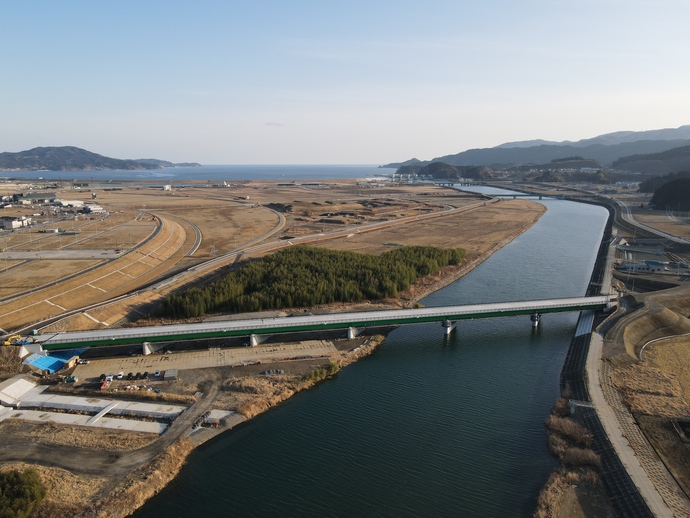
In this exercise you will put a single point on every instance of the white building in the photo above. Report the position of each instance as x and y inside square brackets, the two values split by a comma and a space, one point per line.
[94, 209]
[70, 203]
[10, 223]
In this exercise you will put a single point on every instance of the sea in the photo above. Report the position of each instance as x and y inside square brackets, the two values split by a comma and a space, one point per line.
[228, 173]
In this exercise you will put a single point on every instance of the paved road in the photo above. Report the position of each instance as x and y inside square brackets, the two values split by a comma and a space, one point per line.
[615, 429]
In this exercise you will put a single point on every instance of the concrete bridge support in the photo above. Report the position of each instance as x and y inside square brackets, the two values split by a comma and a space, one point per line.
[352, 332]
[149, 348]
[449, 326]
[255, 340]
[535, 319]
[574, 404]
[34, 348]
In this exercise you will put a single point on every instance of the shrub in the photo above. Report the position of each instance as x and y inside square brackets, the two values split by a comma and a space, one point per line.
[321, 373]
[561, 408]
[20, 493]
[580, 457]
[569, 430]
[557, 445]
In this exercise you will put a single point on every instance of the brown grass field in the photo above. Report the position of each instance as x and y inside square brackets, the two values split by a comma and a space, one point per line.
[475, 231]
[227, 219]
[34, 274]
[673, 356]
[658, 219]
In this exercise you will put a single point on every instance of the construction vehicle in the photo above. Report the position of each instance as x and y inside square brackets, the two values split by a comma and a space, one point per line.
[13, 340]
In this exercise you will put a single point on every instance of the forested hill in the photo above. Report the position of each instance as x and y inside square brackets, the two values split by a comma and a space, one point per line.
[654, 183]
[307, 276]
[443, 171]
[670, 161]
[69, 158]
[674, 195]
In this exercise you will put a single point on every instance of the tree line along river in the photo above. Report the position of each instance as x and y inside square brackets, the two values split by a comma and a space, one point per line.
[428, 425]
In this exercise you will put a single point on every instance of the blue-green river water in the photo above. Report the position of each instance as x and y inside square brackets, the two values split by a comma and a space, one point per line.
[428, 425]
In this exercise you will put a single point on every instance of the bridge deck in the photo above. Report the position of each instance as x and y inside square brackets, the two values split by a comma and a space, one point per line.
[315, 322]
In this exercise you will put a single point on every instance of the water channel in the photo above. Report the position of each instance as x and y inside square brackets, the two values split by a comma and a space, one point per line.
[428, 425]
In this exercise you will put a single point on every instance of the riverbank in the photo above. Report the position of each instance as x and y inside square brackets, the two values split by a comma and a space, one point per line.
[575, 488]
[146, 480]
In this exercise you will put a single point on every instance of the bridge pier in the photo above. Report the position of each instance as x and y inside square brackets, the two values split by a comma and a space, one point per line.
[149, 348]
[449, 326]
[535, 320]
[255, 340]
[352, 332]
[34, 348]
[611, 306]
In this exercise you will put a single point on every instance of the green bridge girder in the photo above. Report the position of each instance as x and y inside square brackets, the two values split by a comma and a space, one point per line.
[268, 326]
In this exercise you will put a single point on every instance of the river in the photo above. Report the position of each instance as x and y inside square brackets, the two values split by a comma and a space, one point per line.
[428, 425]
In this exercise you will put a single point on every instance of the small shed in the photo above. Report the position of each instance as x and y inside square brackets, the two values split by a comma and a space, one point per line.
[170, 375]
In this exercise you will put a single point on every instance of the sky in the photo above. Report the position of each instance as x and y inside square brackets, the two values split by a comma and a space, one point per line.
[335, 82]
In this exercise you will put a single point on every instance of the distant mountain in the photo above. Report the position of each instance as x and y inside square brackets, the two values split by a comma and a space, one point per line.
[604, 154]
[621, 137]
[68, 158]
[604, 149]
[671, 161]
[611, 139]
[395, 165]
[530, 143]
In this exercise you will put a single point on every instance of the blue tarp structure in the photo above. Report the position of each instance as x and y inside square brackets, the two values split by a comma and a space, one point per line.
[54, 362]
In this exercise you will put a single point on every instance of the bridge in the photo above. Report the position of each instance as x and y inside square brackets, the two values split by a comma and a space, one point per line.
[258, 329]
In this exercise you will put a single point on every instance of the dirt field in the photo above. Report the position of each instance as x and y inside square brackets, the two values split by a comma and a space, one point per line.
[672, 356]
[33, 274]
[475, 231]
[77, 436]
